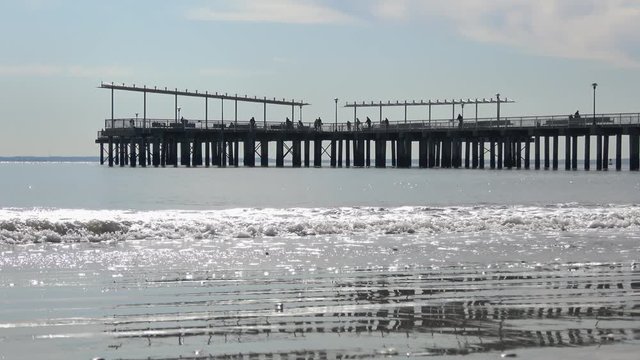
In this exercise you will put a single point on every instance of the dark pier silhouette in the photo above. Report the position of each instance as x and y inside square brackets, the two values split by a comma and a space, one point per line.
[530, 142]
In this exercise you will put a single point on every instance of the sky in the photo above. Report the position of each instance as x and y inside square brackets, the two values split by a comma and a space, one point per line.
[544, 54]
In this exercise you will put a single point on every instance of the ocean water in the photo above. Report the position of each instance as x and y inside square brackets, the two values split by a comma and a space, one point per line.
[325, 263]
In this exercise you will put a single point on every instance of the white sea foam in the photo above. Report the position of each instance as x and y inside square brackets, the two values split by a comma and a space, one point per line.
[64, 225]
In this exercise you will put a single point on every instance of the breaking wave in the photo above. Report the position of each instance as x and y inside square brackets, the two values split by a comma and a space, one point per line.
[19, 226]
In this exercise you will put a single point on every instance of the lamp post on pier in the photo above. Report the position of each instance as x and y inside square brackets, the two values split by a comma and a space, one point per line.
[336, 126]
[594, 85]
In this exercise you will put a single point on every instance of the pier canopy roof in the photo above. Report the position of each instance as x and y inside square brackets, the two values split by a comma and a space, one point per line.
[206, 94]
[356, 104]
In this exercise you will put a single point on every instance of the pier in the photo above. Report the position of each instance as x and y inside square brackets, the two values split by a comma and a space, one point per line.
[528, 142]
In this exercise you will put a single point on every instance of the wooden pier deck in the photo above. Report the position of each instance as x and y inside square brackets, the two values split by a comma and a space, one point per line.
[496, 143]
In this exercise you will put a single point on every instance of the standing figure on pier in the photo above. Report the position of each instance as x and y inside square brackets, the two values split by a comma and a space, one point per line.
[460, 120]
[357, 124]
[386, 122]
[252, 123]
[368, 123]
[288, 124]
[348, 125]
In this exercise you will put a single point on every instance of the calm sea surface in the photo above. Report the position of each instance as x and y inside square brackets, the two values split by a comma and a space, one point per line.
[325, 263]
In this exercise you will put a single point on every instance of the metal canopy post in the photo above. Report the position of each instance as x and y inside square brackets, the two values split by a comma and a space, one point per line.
[175, 108]
[498, 114]
[405, 112]
[476, 111]
[236, 112]
[144, 112]
[112, 119]
[264, 114]
[206, 113]
[222, 111]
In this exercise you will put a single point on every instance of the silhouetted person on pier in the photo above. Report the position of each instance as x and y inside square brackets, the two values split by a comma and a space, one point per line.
[386, 122]
[288, 124]
[300, 124]
[348, 125]
[368, 123]
[317, 125]
[577, 115]
[252, 122]
[357, 124]
[460, 120]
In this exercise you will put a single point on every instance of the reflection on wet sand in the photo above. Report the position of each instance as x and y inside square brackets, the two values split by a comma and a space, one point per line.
[362, 314]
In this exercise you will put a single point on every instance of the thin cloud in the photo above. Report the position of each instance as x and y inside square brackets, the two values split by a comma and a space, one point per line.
[29, 70]
[579, 29]
[271, 11]
[390, 9]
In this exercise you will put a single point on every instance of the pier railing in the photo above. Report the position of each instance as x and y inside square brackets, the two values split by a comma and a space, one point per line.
[555, 121]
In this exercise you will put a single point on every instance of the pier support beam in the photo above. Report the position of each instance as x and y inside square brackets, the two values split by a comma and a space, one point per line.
[110, 152]
[492, 154]
[334, 150]
[508, 156]
[481, 153]
[340, 153]
[347, 156]
[422, 153]
[536, 158]
[634, 152]
[317, 153]
[207, 153]
[264, 153]
[431, 153]
[279, 153]
[307, 153]
[605, 152]
[567, 152]
[381, 153]
[250, 150]
[367, 152]
[547, 153]
[393, 153]
[555, 152]
[587, 152]
[499, 145]
[297, 154]
[599, 152]
[197, 153]
[619, 152]
[446, 154]
[527, 154]
[574, 152]
[142, 148]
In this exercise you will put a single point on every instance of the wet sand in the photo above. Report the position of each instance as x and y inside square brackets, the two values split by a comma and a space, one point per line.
[135, 300]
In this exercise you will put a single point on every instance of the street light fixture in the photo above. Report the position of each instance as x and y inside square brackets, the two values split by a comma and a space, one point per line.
[336, 127]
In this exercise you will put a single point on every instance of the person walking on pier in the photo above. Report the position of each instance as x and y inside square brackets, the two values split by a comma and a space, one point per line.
[357, 124]
[300, 124]
[288, 124]
[252, 123]
[386, 122]
[348, 125]
[368, 123]
[460, 120]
